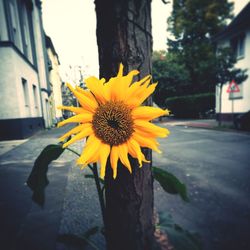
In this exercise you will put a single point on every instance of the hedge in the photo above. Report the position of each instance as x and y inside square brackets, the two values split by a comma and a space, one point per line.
[191, 106]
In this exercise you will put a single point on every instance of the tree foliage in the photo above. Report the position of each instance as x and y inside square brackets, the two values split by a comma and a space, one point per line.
[193, 23]
[193, 64]
[171, 75]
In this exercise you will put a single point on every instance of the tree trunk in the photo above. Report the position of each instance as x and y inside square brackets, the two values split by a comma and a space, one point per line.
[124, 35]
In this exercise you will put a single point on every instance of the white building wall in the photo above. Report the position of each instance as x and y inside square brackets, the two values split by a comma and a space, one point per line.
[55, 80]
[12, 98]
[241, 105]
[39, 48]
[41, 64]
[21, 68]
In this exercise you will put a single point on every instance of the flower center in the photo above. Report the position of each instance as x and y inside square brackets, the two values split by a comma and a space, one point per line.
[112, 123]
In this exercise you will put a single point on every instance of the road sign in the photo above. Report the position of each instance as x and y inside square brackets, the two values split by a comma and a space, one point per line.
[233, 87]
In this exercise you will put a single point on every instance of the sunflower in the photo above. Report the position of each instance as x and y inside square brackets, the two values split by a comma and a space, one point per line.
[112, 118]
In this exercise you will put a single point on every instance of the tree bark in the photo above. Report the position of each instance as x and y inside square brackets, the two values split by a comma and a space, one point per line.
[124, 35]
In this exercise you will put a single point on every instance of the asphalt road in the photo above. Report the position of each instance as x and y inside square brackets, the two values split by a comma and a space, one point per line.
[215, 166]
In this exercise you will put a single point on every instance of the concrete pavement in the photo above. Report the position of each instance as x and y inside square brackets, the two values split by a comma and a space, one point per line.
[6, 146]
[197, 123]
[70, 207]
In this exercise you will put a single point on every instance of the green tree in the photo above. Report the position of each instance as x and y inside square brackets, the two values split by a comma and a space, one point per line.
[193, 23]
[193, 64]
[171, 75]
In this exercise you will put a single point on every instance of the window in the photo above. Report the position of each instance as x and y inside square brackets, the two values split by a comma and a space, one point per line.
[20, 27]
[238, 46]
[2, 22]
[13, 17]
[241, 47]
[26, 96]
[25, 31]
[14, 24]
[35, 99]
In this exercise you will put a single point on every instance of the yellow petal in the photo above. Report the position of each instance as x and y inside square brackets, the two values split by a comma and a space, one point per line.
[136, 86]
[144, 134]
[90, 152]
[81, 91]
[120, 72]
[87, 101]
[114, 160]
[142, 89]
[137, 100]
[148, 91]
[133, 147]
[148, 113]
[82, 118]
[116, 89]
[86, 131]
[111, 87]
[75, 130]
[96, 86]
[114, 86]
[127, 80]
[86, 93]
[123, 155]
[135, 151]
[150, 128]
[105, 150]
[146, 142]
[118, 86]
[76, 110]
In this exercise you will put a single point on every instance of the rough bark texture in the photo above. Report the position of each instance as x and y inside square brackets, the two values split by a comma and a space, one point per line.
[124, 35]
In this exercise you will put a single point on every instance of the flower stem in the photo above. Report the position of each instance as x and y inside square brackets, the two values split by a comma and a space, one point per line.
[99, 191]
[73, 151]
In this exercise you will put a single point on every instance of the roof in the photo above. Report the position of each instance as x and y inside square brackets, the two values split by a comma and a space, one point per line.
[240, 23]
[49, 44]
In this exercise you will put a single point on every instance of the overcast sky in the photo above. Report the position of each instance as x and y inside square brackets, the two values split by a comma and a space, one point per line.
[72, 26]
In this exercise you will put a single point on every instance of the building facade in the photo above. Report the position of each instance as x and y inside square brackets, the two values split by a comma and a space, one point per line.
[54, 81]
[237, 36]
[24, 76]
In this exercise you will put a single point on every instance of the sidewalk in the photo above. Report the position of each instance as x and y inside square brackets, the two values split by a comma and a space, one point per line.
[196, 123]
[6, 146]
[70, 206]
[202, 124]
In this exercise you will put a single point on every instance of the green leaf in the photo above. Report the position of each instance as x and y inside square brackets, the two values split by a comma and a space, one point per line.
[170, 183]
[37, 179]
[180, 238]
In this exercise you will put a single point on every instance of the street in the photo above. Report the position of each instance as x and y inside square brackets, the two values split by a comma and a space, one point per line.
[213, 164]
[215, 167]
